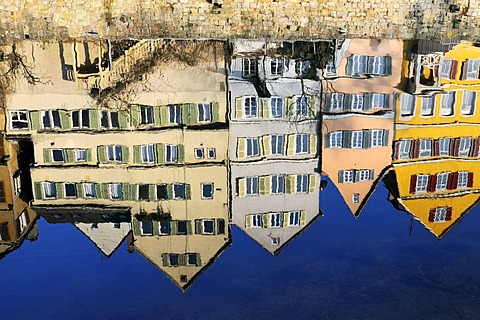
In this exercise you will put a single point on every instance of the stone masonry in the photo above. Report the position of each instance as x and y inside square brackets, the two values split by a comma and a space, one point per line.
[221, 19]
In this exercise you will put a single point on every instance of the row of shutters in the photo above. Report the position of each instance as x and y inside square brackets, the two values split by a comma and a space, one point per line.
[365, 65]
[181, 258]
[219, 227]
[448, 216]
[356, 175]
[265, 145]
[129, 191]
[454, 146]
[452, 182]
[284, 219]
[366, 138]
[264, 107]
[346, 101]
[265, 185]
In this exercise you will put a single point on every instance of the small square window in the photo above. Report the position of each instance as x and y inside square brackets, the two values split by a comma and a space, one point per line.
[146, 227]
[143, 192]
[162, 192]
[116, 192]
[355, 198]
[275, 241]
[191, 259]
[70, 190]
[81, 155]
[164, 227]
[89, 190]
[49, 190]
[179, 191]
[181, 227]
[208, 226]
[199, 153]
[207, 190]
[58, 155]
[173, 259]
[211, 153]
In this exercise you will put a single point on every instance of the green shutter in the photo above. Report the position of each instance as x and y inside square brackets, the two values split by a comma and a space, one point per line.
[290, 106]
[385, 137]
[242, 188]
[367, 105]
[326, 141]
[35, 121]
[98, 190]
[38, 190]
[239, 108]
[159, 153]
[47, 155]
[367, 139]
[266, 146]
[79, 187]
[70, 155]
[241, 145]
[188, 191]
[65, 119]
[164, 119]
[125, 191]
[59, 189]
[104, 191]
[94, 121]
[290, 185]
[303, 218]
[136, 229]
[264, 108]
[189, 227]
[173, 227]
[133, 191]
[198, 226]
[185, 113]
[122, 119]
[291, 144]
[151, 192]
[170, 191]
[155, 228]
[157, 117]
[265, 220]
[137, 154]
[248, 221]
[102, 154]
[340, 176]
[262, 184]
[182, 260]
[193, 113]
[215, 112]
[313, 144]
[347, 139]
[125, 154]
[89, 154]
[165, 259]
[199, 260]
[181, 153]
[135, 115]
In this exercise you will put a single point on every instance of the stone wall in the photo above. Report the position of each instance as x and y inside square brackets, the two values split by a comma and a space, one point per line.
[276, 19]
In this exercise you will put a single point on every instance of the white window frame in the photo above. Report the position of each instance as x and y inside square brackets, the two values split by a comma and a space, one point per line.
[462, 181]
[422, 183]
[113, 150]
[442, 180]
[447, 104]
[65, 190]
[445, 68]
[252, 186]
[468, 103]
[275, 220]
[444, 146]
[203, 226]
[51, 186]
[336, 101]
[62, 153]
[348, 176]
[404, 149]
[440, 215]
[81, 121]
[87, 187]
[464, 146]
[425, 148]
[49, 113]
[211, 153]
[357, 139]
[199, 153]
[250, 107]
[204, 112]
[175, 114]
[147, 153]
[171, 153]
[18, 114]
[179, 197]
[256, 220]
[301, 105]
[378, 100]
[115, 191]
[472, 69]
[276, 107]
[109, 119]
[336, 139]
[407, 105]
[146, 115]
[251, 143]
[280, 184]
[301, 183]
[277, 65]
[207, 184]
[302, 143]
[427, 108]
[295, 216]
[363, 175]
[141, 228]
[249, 67]
[355, 198]
[357, 102]
[79, 153]
[377, 138]
[277, 148]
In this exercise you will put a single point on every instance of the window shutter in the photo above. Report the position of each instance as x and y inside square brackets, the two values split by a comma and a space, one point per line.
[356, 175]
[159, 153]
[386, 98]
[312, 107]
[470, 180]
[122, 120]
[215, 112]
[264, 107]
[431, 215]
[94, 119]
[173, 227]
[454, 70]
[326, 141]
[347, 139]
[432, 183]
[347, 102]
[137, 154]
[413, 183]
[367, 139]
[436, 147]
[189, 227]
[290, 144]
[105, 190]
[164, 119]
[102, 154]
[241, 187]
[473, 147]
[188, 191]
[199, 260]
[151, 192]
[136, 231]
[341, 176]
[191, 109]
[385, 137]
[59, 190]
[396, 149]
[198, 226]
[476, 149]
[70, 156]
[156, 231]
[89, 154]
[371, 174]
[456, 147]
[241, 145]
[248, 221]
[157, 117]
[313, 144]
[266, 145]
[125, 154]
[328, 102]
[290, 183]
[349, 67]
[98, 191]
[448, 216]
[416, 148]
[311, 183]
[64, 119]
[79, 187]
[170, 191]
[181, 153]
[285, 219]
[303, 218]
[47, 155]
[239, 108]
[368, 101]
[262, 185]
[133, 190]
[266, 220]
[38, 190]
[388, 65]
[182, 261]
[290, 106]
[135, 114]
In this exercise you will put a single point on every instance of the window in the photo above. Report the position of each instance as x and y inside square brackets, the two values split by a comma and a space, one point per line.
[363, 175]
[462, 182]
[109, 119]
[182, 227]
[440, 215]
[207, 190]
[175, 114]
[447, 103]
[22, 220]
[472, 69]
[335, 101]
[444, 144]
[377, 65]
[357, 139]
[378, 100]
[276, 66]
[253, 147]
[204, 112]
[407, 104]
[115, 190]
[147, 153]
[179, 191]
[17, 186]
[275, 241]
[143, 192]
[301, 106]
[114, 153]
[192, 259]
[249, 68]
[336, 139]
[69, 190]
[348, 176]
[199, 153]
[446, 68]
[146, 115]
[80, 119]
[355, 198]
[208, 226]
[464, 147]
[302, 67]
[211, 153]
[257, 221]
[278, 184]
[427, 106]
[173, 260]
[171, 153]
[302, 143]
[146, 227]
[277, 144]
[80, 155]
[442, 179]
[422, 183]
[293, 218]
[356, 65]
[51, 119]
[404, 149]
[89, 190]
[330, 68]
[275, 220]
[58, 155]
[357, 102]
[425, 148]
[251, 185]
[19, 120]
[49, 190]
[468, 103]
[276, 107]
[162, 192]
[164, 227]
[250, 107]
[302, 183]
[377, 138]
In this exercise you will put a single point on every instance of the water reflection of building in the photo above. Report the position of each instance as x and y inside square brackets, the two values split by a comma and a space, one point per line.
[357, 125]
[437, 137]
[273, 143]
[156, 146]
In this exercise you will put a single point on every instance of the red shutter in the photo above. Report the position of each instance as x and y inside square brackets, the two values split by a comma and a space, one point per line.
[448, 216]
[411, 153]
[456, 147]
[436, 148]
[451, 147]
[477, 145]
[432, 183]
[435, 71]
[416, 149]
[413, 183]
[450, 181]
[454, 70]
[464, 70]
[473, 145]
[455, 180]
[431, 215]
[470, 180]
[395, 150]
